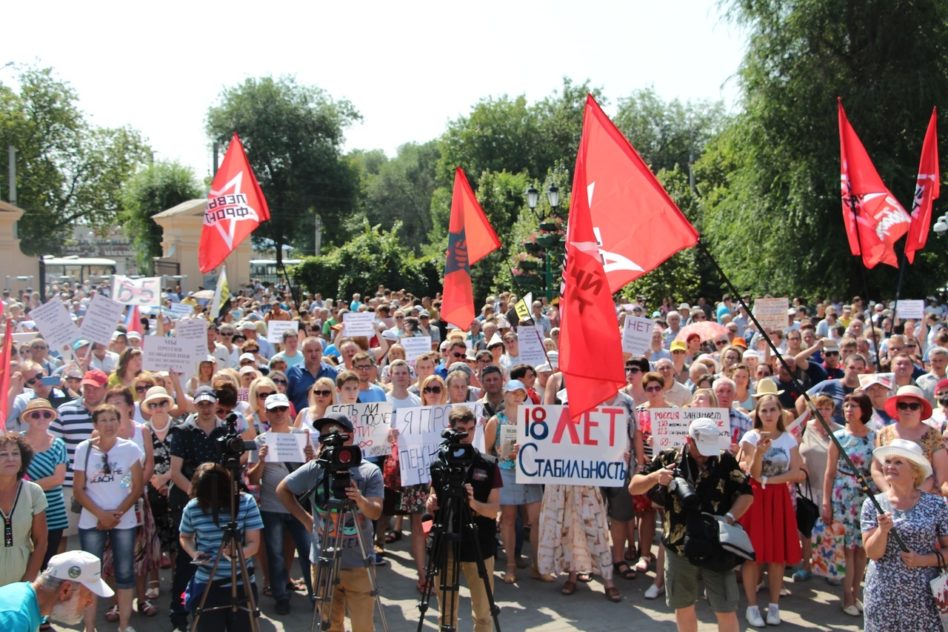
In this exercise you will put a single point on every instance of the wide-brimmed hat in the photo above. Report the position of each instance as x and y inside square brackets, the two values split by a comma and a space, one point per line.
[907, 450]
[37, 404]
[766, 386]
[155, 393]
[908, 392]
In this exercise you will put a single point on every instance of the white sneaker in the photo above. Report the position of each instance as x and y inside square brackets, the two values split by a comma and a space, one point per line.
[654, 591]
[753, 617]
[773, 614]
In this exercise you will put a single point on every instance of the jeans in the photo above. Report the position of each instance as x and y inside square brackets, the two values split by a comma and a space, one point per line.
[273, 525]
[180, 576]
[123, 551]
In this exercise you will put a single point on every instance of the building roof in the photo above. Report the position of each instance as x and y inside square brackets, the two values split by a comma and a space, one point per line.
[190, 207]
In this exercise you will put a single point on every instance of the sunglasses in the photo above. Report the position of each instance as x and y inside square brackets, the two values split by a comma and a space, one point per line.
[908, 406]
[458, 355]
[720, 343]
[279, 381]
[73, 379]
[264, 395]
[106, 468]
[141, 388]
[633, 369]
[157, 405]
[363, 367]
[322, 393]
[652, 389]
[33, 380]
[41, 414]
[251, 349]
[829, 353]
[227, 335]
[432, 389]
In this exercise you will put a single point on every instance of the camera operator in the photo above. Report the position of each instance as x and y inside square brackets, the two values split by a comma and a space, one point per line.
[722, 489]
[482, 484]
[353, 592]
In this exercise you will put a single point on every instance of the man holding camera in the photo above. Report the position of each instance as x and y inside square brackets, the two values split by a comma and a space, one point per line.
[482, 487]
[721, 489]
[353, 591]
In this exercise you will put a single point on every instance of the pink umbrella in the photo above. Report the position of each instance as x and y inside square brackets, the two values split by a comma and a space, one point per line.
[706, 329]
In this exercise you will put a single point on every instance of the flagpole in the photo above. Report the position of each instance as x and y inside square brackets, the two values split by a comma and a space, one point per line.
[865, 279]
[864, 484]
[903, 263]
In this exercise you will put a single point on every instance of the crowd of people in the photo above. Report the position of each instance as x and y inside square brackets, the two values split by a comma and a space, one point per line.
[103, 456]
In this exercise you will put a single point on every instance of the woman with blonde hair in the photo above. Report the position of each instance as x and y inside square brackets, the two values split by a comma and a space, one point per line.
[322, 395]
[260, 389]
[205, 374]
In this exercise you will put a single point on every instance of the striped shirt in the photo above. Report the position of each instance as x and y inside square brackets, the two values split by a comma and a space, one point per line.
[73, 426]
[208, 535]
[42, 465]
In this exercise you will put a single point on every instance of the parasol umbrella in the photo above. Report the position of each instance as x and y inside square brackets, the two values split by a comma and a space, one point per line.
[706, 329]
[203, 295]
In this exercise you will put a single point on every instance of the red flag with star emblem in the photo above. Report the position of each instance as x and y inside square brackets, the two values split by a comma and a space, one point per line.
[590, 343]
[470, 239]
[868, 206]
[927, 190]
[635, 221]
[235, 207]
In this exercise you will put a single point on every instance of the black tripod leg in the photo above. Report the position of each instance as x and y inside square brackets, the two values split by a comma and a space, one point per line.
[431, 570]
[471, 532]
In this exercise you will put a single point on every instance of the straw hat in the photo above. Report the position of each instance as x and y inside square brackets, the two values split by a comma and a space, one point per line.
[155, 393]
[37, 404]
[907, 450]
[766, 386]
[911, 393]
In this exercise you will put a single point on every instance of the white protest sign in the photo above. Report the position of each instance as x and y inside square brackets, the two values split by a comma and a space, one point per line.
[772, 312]
[139, 292]
[358, 324]
[478, 409]
[531, 346]
[181, 310]
[162, 354]
[670, 426]
[557, 450]
[419, 435]
[54, 322]
[275, 329]
[637, 335]
[371, 422]
[191, 335]
[286, 447]
[415, 346]
[910, 309]
[100, 319]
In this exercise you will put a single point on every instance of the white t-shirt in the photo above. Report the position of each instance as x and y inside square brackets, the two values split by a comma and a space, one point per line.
[107, 489]
[777, 459]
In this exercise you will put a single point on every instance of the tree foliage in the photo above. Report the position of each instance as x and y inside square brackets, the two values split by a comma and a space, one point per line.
[156, 188]
[292, 135]
[68, 171]
[775, 214]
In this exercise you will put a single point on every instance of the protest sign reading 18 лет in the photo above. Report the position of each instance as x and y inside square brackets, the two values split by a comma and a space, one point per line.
[555, 449]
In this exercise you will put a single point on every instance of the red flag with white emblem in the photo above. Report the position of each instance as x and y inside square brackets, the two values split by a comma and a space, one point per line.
[868, 206]
[638, 226]
[235, 207]
[927, 190]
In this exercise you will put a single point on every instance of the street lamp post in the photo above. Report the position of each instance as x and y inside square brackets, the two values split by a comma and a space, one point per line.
[553, 197]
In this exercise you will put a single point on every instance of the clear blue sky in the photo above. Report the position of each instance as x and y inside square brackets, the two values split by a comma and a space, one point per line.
[409, 67]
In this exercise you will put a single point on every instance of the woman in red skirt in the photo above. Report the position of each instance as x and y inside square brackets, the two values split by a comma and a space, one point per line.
[770, 456]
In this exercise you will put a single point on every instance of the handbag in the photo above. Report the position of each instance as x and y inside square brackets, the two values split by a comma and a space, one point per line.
[75, 506]
[807, 511]
[734, 539]
[939, 587]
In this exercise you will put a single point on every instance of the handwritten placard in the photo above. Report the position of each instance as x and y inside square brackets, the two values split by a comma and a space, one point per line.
[772, 312]
[139, 292]
[285, 447]
[160, 353]
[100, 319]
[181, 310]
[54, 322]
[637, 335]
[371, 423]
[275, 329]
[358, 324]
[419, 435]
[415, 346]
[531, 346]
[670, 426]
[910, 309]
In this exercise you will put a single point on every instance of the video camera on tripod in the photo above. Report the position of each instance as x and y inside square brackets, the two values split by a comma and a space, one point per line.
[337, 459]
[231, 445]
[454, 461]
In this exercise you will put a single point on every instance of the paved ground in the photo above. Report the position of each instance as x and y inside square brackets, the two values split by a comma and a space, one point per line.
[533, 605]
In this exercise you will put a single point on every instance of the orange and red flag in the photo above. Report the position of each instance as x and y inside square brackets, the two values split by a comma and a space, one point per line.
[927, 190]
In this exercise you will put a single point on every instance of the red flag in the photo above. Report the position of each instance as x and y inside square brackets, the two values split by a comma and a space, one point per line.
[133, 320]
[5, 356]
[590, 345]
[636, 223]
[867, 201]
[235, 207]
[470, 239]
[927, 190]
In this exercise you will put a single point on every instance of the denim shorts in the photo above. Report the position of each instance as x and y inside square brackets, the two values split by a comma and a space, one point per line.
[514, 493]
[123, 551]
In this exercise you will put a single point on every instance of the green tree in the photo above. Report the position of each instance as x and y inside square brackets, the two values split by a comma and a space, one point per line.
[156, 188]
[68, 171]
[293, 136]
[777, 215]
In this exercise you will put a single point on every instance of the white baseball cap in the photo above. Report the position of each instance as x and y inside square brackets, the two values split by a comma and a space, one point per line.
[80, 567]
[706, 435]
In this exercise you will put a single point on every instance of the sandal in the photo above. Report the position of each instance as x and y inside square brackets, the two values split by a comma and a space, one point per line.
[266, 591]
[296, 585]
[612, 594]
[584, 577]
[153, 590]
[147, 608]
[623, 570]
[393, 536]
[510, 575]
[112, 614]
[568, 588]
[537, 575]
[642, 565]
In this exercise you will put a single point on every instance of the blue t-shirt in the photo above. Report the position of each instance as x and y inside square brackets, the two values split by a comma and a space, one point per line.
[301, 380]
[835, 390]
[19, 610]
[209, 535]
[374, 393]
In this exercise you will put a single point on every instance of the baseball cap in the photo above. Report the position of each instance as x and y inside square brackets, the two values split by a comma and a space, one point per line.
[205, 394]
[678, 345]
[95, 377]
[277, 400]
[80, 567]
[133, 335]
[336, 418]
[514, 385]
[706, 435]
[79, 344]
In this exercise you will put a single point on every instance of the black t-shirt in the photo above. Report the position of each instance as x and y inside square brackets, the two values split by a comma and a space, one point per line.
[484, 477]
[194, 447]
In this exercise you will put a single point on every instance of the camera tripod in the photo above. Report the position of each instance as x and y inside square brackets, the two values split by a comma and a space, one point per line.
[330, 559]
[231, 541]
[444, 558]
